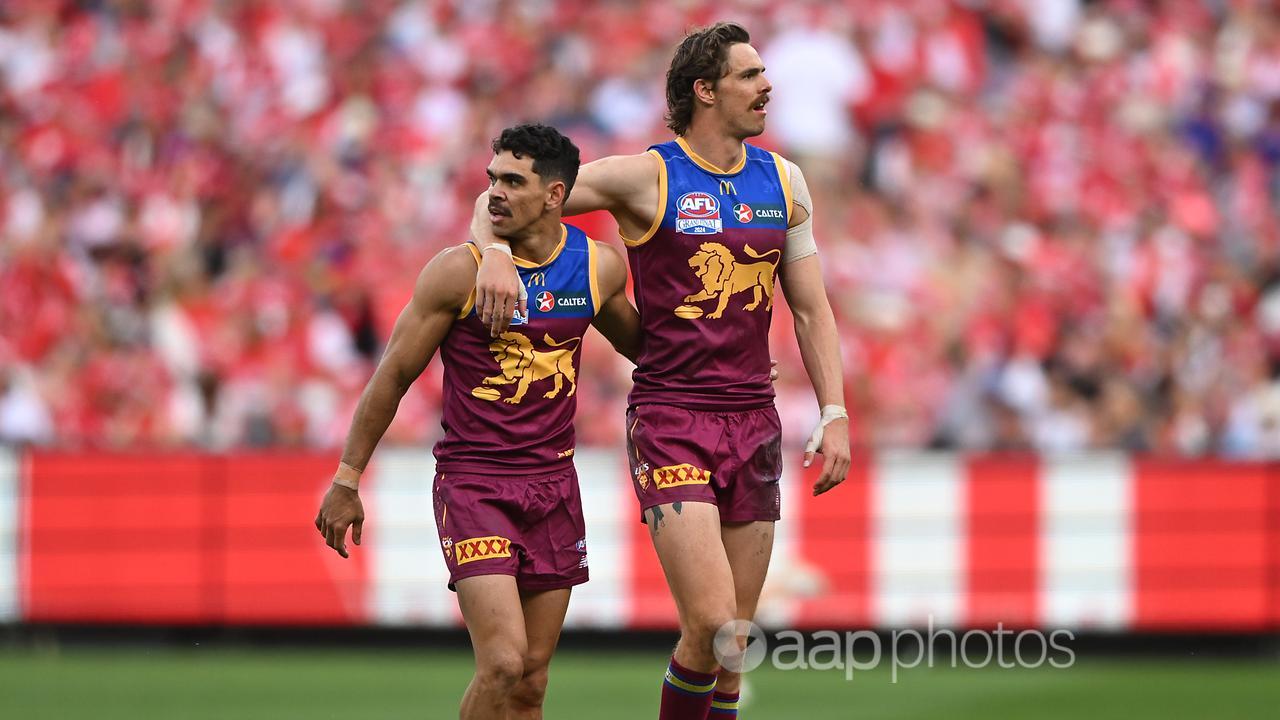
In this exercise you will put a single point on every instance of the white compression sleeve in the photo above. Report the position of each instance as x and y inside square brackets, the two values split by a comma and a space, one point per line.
[800, 242]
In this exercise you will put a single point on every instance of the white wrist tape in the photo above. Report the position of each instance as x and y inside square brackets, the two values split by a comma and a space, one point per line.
[524, 292]
[830, 413]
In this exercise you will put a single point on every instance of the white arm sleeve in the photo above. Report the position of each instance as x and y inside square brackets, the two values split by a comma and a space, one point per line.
[800, 243]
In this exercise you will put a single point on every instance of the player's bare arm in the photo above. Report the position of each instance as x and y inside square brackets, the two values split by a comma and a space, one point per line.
[624, 185]
[439, 295]
[815, 326]
[617, 319]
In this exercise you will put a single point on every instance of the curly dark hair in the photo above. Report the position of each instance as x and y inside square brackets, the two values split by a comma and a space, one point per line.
[703, 54]
[555, 157]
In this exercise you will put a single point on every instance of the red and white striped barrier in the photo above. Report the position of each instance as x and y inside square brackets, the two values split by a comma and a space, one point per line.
[1099, 541]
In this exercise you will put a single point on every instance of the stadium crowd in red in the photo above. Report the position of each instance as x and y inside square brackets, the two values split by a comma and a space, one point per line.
[1044, 225]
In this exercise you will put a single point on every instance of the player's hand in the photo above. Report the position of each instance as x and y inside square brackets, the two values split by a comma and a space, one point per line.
[499, 292]
[340, 509]
[773, 371]
[835, 456]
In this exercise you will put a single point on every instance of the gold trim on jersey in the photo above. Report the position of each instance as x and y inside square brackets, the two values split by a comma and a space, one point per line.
[662, 206]
[709, 167]
[784, 176]
[471, 297]
[521, 262]
[592, 252]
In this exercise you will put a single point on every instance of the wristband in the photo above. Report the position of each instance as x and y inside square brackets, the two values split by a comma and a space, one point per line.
[500, 248]
[833, 412]
[830, 413]
[347, 476]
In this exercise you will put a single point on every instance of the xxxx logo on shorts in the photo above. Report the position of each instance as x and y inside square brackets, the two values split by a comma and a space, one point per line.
[683, 474]
[482, 548]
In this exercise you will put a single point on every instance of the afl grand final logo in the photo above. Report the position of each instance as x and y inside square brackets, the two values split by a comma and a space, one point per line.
[698, 213]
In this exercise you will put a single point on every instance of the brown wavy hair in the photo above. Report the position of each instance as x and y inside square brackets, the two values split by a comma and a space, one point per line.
[703, 54]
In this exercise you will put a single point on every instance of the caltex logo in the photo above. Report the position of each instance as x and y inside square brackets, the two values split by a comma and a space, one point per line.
[546, 301]
[742, 211]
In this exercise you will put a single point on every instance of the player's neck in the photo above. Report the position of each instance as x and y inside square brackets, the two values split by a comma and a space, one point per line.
[541, 239]
[714, 146]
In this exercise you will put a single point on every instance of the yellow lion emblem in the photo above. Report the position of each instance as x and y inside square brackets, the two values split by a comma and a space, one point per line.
[723, 277]
[523, 365]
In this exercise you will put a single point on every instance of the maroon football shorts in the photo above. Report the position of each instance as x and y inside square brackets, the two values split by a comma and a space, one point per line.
[730, 459]
[529, 527]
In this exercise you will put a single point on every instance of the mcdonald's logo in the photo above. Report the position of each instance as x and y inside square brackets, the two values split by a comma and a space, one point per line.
[727, 188]
[482, 548]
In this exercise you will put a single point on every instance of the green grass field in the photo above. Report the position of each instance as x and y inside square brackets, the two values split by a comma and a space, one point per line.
[366, 684]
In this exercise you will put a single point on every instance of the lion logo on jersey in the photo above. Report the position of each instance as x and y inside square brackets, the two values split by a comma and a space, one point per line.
[723, 277]
[522, 365]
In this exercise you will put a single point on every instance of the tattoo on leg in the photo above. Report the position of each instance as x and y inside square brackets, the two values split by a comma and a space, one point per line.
[656, 521]
[676, 506]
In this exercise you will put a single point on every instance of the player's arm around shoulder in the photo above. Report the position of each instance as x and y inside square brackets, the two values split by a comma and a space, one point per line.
[627, 186]
[442, 292]
[604, 184]
[616, 318]
[816, 332]
[618, 183]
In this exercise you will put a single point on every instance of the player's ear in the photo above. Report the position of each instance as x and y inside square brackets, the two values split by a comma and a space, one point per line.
[704, 91]
[555, 195]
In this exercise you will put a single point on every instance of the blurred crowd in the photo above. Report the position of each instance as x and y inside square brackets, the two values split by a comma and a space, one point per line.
[1045, 224]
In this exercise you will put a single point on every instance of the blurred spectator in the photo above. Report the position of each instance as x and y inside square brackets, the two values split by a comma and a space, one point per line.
[817, 74]
[23, 414]
[1045, 226]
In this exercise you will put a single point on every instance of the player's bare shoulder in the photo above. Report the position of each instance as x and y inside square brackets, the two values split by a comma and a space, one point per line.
[448, 279]
[612, 269]
[798, 189]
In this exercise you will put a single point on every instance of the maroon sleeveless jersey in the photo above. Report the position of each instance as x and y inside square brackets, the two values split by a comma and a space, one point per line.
[509, 401]
[704, 277]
